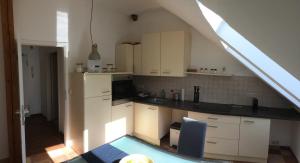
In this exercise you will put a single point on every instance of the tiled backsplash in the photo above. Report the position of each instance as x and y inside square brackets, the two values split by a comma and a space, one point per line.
[216, 89]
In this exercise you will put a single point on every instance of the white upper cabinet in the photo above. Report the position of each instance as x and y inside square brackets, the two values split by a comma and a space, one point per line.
[137, 59]
[174, 53]
[151, 54]
[165, 54]
[124, 58]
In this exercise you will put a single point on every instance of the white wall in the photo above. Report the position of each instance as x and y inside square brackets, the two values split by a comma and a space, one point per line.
[36, 20]
[46, 81]
[3, 122]
[281, 130]
[296, 139]
[204, 53]
[271, 25]
[31, 79]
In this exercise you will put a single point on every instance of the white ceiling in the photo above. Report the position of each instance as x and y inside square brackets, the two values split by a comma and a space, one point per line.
[130, 6]
[187, 10]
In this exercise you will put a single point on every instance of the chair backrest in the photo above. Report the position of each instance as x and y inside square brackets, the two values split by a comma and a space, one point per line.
[192, 138]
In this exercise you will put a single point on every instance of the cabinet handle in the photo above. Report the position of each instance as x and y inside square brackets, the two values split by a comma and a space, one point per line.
[153, 72]
[212, 126]
[247, 121]
[129, 106]
[105, 99]
[151, 108]
[105, 91]
[212, 118]
[166, 72]
[211, 142]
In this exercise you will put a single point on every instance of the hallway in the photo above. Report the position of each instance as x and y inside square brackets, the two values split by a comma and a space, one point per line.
[41, 134]
[44, 142]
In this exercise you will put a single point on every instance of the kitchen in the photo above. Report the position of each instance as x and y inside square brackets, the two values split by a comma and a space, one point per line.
[163, 60]
[233, 102]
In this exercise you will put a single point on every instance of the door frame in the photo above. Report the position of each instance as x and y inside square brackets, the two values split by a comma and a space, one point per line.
[11, 81]
[62, 81]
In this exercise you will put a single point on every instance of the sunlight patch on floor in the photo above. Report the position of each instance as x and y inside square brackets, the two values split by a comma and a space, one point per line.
[53, 154]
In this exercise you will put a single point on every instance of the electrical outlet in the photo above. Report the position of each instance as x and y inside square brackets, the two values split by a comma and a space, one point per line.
[275, 142]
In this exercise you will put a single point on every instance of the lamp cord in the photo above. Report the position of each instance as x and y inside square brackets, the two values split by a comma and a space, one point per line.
[91, 21]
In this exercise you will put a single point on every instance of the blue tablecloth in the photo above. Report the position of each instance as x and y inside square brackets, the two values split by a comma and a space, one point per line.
[115, 151]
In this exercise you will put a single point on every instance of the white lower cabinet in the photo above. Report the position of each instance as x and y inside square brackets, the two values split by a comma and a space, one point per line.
[254, 137]
[234, 137]
[151, 123]
[174, 137]
[221, 146]
[121, 120]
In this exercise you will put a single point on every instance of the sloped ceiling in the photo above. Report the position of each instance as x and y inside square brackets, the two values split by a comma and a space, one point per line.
[189, 11]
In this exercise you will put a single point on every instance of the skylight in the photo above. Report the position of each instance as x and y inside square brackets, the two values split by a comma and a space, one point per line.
[253, 58]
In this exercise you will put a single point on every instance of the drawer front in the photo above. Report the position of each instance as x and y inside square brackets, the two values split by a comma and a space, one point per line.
[174, 137]
[221, 146]
[214, 118]
[223, 130]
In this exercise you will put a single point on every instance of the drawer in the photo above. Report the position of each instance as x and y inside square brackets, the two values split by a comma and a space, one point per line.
[214, 118]
[174, 137]
[221, 146]
[223, 130]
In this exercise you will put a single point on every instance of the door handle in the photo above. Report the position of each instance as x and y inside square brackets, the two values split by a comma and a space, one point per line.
[151, 108]
[211, 118]
[211, 142]
[212, 126]
[248, 122]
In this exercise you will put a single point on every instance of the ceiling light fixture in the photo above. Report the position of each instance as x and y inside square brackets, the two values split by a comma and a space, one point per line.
[94, 58]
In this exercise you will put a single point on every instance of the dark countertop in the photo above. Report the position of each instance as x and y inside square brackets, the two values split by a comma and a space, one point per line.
[224, 109]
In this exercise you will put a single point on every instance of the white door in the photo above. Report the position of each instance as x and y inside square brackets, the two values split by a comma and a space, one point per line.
[172, 53]
[151, 54]
[254, 137]
[122, 120]
[97, 117]
[146, 120]
[22, 111]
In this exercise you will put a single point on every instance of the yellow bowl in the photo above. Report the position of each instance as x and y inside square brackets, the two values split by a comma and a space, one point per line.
[136, 158]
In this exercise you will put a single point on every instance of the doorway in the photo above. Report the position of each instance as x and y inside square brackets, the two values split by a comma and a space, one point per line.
[41, 68]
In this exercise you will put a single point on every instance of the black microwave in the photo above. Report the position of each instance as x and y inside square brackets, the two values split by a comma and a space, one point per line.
[122, 89]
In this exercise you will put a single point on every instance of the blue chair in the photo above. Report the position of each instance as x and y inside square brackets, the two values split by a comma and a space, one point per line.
[192, 138]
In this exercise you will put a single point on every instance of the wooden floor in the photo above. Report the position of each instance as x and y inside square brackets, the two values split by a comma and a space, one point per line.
[276, 154]
[44, 143]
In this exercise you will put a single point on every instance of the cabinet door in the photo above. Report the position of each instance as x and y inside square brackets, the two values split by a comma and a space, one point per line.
[146, 120]
[173, 53]
[254, 137]
[137, 59]
[124, 58]
[151, 54]
[97, 117]
[97, 85]
[122, 120]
